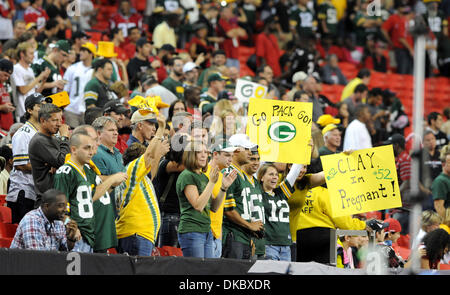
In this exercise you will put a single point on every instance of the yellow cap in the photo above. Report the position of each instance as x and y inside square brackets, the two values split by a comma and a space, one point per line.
[326, 119]
[329, 127]
[91, 47]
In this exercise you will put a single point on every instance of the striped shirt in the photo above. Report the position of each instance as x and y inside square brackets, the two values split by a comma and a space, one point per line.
[139, 211]
[36, 232]
[403, 163]
[20, 180]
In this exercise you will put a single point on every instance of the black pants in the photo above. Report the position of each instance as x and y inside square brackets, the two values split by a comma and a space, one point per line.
[21, 207]
[234, 249]
[313, 244]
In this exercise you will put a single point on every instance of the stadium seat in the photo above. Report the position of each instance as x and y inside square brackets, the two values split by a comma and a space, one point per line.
[170, 251]
[2, 200]
[5, 214]
[112, 251]
[5, 242]
[7, 230]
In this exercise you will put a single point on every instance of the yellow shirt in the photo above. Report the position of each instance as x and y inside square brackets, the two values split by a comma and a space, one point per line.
[350, 88]
[139, 210]
[216, 217]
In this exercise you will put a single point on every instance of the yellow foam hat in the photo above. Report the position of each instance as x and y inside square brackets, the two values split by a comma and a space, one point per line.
[91, 47]
[148, 104]
[60, 99]
[106, 49]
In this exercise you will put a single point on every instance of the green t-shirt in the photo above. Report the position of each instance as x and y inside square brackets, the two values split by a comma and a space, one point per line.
[328, 13]
[276, 208]
[79, 190]
[244, 196]
[441, 189]
[176, 87]
[304, 20]
[190, 219]
[207, 103]
[55, 75]
[98, 93]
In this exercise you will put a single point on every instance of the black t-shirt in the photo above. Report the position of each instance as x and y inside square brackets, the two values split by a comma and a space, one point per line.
[135, 66]
[171, 203]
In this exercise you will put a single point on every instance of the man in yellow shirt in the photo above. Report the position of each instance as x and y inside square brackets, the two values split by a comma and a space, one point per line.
[363, 76]
[221, 156]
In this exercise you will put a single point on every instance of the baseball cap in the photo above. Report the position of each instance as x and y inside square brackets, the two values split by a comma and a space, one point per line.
[394, 225]
[224, 147]
[33, 99]
[6, 66]
[79, 35]
[168, 47]
[395, 139]
[139, 117]
[215, 77]
[376, 224]
[242, 140]
[329, 127]
[142, 41]
[189, 66]
[63, 45]
[114, 106]
[30, 26]
[326, 119]
[299, 76]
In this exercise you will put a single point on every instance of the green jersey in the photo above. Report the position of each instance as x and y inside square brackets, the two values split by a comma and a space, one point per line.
[276, 208]
[244, 196]
[78, 186]
[303, 20]
[98, 93]
[328, 12]
[190, 219]
[207, 103]
[176, 87]
[55, 75]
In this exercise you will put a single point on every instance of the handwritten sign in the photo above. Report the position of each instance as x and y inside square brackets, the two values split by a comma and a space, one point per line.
[364, 181]
[282, 129]
[247, 89]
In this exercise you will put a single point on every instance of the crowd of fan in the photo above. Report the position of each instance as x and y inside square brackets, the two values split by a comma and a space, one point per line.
[135, 178]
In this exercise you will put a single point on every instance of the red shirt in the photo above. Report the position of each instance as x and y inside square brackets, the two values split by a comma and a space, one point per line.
[124, 23]
[161, 71]
[37, 16]
[121, 144]
[267, 48]
[121, 54]
[397, 27]
[403, 164]
[6, 119]
[230, 47]
[130, 50]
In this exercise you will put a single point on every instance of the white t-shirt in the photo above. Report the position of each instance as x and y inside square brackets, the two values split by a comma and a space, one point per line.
[357, 136]
[22, 77]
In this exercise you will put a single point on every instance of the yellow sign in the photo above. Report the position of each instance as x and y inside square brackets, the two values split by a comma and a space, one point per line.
[150, 103]
[364, 181]
[246, 89]
[282, 129]
[60, 99]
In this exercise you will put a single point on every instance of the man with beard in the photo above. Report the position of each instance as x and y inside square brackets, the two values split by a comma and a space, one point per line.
[243, 200]
[32, 232]
[208, 99]
[173, 82]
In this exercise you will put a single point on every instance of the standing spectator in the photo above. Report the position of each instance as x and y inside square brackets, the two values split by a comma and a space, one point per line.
[357, 135]
[140, 63]
[139, 217]
[49, 32]
[18, 29]
[24, 78]
[218, 62]
[163, 55]
[363, 76]
[310, 87]
[396, 31]
[302, 20]
[332, 137]
[134, 33]
[116, 36]
[378, 60]
[174, 81]
[431, 165]
[354, 100]
[441, 185]
[238, 225]
[124, 18]
[297, 81]
[328, 21]
[36, 14]
[164, 33]
[6, 107]
[77, 77]
[77, 180]
[435, 122]
[21, 195]
[229, 29]
[216, 84]
[194, 191]
[436, 244]
[116, 110]
[53, 61]
[44, 228]
[143, 128]
[190, 71]
[97, 92]
[153, 88]
[46, 151]
[7, 156]
[267, 49]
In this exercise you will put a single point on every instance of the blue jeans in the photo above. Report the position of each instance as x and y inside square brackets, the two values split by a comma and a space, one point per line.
[82, 247]
[217, 248]
[280, 253]
[135, 245]
[197, 244]
[168, 234]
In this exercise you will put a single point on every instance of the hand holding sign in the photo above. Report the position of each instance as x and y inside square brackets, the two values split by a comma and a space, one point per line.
[363, 181]
[247, 89]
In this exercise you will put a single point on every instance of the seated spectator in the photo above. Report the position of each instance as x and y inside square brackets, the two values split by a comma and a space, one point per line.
[354, 100]
[297, 81]
[429, 221]
[378, 60]
[45, 228]
[363, 76]
[331, 73]
[436, 245]
[431, 166]
[6, 154]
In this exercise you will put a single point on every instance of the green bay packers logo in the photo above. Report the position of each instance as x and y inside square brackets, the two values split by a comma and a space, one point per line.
[281, 131]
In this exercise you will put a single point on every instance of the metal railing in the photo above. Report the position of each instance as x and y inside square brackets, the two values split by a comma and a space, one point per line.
[335, 233]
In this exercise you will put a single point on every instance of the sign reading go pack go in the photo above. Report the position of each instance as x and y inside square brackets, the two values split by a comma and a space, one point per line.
[247, 89]
[282, 129]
